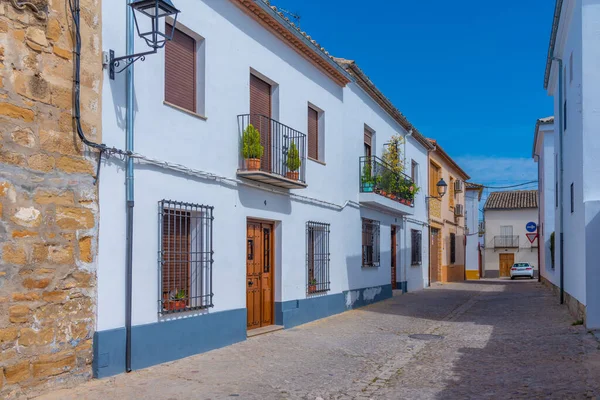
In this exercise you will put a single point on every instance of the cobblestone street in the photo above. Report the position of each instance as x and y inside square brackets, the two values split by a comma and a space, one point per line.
[500, 339]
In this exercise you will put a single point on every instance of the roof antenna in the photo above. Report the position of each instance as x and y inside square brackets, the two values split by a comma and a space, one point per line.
[295, 17]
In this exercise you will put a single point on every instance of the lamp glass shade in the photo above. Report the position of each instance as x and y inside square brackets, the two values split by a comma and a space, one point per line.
[154, 8]
[442, 187]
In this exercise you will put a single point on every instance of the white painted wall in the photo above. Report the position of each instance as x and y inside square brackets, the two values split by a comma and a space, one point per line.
[544, 148]
[234, 45]
[518, 219]
[472, 223]
[570, 41]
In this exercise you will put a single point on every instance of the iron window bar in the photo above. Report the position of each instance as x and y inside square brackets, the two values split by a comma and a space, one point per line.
[416, 238]
[276, 140]
[317, 257]
[376, 176]
[185, 256]
[370, 243]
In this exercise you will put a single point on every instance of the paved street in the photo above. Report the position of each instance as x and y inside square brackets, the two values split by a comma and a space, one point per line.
[500, 339]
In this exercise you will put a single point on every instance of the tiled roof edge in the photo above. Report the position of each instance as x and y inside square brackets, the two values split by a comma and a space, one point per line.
[364, 82]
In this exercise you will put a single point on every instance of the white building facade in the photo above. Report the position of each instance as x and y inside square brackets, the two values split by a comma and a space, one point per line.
[219, 245]
[511, 227]
[543, 155]
[572, 78]
[473, 257]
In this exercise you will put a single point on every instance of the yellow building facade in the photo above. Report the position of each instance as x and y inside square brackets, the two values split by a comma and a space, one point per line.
[446, 218]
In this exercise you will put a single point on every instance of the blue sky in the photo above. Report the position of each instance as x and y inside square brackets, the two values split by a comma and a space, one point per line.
[469, 73]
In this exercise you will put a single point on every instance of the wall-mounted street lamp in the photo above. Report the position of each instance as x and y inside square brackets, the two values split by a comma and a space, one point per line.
[442, 187]
[151, 32]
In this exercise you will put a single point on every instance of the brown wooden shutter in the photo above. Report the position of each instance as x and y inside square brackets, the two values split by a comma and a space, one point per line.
[176, 253]
[368, 145]
[180, 71]
[260, 114]
[313, 133]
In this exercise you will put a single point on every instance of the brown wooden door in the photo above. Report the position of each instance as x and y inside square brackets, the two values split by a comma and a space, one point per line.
[506, 261]
[393, 254]
[434, 251]
[260, 114]
[259, 274]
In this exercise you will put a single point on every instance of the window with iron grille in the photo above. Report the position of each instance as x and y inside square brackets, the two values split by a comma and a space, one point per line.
[452, 248]
[415, 247]
[185, 256]
[370, 243]
[317, 257]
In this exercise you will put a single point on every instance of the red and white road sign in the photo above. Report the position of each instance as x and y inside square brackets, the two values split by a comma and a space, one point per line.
[531, 236]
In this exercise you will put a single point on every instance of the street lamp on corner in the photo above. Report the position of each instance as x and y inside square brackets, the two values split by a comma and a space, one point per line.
[151, 30]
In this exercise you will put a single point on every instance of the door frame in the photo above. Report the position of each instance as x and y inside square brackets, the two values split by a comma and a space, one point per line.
[439, 232]
[272, 256]
[393, 256]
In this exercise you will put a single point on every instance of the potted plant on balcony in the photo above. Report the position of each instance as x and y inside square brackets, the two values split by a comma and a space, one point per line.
[312, 285]
[176, 301]
[251, 148]
[293, 162]
[367, 179]
[412, 191]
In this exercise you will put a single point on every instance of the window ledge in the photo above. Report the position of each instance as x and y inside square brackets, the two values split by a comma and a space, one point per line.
[193, 114]
[317, 161]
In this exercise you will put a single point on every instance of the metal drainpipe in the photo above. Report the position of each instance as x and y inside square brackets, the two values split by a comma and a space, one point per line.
[540, 239]
[129, 192]
[560, 186]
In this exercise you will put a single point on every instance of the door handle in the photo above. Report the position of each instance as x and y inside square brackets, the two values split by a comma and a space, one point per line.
[250, 283]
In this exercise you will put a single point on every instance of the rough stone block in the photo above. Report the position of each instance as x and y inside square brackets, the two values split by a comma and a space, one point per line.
[30, 337]
[16, 373]
[16, 112]
[12, 254]
[41, 162]
[85, 249]
[24, 137]
[27, 216]
[54, 197]
[56, 296]
[75, 165]
[74, 218]
[30, 283]
[53, 364]
[31, 296]
[8, 334]
[60, 254]
[19, 313]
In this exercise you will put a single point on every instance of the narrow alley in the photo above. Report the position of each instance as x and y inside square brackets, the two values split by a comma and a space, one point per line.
[494, 339]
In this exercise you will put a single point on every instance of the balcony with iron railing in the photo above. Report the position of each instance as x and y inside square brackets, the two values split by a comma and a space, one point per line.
[383, 188]
[504, 241]
[271, 152]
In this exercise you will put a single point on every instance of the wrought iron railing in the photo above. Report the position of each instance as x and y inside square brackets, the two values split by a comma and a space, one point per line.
[278, 142]
[506, 241]
[378, 177]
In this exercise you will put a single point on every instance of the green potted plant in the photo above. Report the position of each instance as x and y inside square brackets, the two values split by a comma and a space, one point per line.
[176, 302]
[312, 285]
[368, 181]
[251, 148]
[293, 162]
[412, 191]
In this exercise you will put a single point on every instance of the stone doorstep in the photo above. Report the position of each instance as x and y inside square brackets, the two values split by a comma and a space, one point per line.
[264, 330]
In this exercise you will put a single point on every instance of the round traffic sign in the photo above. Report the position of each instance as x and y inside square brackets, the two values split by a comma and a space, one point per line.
[531, 227]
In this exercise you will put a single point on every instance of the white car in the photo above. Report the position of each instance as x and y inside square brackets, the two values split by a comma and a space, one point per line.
[521, 269]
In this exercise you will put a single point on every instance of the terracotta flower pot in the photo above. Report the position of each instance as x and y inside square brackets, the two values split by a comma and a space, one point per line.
[252, 164]
[293, 175]
[312, 288]
[175, 305]
[403, 201]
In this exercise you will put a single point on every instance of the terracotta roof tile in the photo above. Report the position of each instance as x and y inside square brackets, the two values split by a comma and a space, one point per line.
[512, 200]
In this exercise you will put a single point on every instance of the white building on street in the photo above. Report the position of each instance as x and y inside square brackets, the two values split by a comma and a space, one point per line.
[572, 78]
[257, 197]
[511, 220]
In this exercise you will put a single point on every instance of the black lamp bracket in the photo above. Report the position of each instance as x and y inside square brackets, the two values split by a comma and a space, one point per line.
[114, 63]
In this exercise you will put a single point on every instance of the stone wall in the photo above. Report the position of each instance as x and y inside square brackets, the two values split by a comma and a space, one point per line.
[48, 200]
